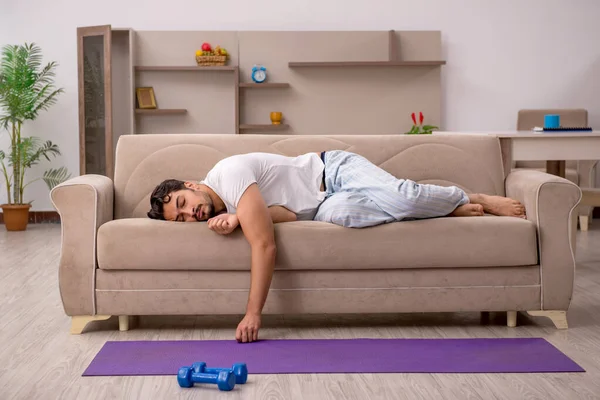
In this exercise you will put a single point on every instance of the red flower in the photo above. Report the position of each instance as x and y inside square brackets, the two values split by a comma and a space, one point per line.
[414, 118]
[421, 118]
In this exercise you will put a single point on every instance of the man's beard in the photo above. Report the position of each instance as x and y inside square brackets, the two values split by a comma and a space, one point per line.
[208, 212]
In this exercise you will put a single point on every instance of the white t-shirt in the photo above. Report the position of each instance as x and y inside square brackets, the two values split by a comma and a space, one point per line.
[291, 182]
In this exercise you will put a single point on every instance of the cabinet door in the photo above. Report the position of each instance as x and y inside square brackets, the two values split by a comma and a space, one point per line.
[95, 100]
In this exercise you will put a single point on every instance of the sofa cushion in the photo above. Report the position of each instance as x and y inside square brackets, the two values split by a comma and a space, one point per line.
[471, 162]
[144, 244]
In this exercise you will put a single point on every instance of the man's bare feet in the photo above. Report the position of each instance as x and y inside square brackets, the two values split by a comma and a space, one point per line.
[498, 205]
[468, 210]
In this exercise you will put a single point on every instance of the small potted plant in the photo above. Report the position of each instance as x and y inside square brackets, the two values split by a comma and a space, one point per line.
[26, 89]
[420, 129]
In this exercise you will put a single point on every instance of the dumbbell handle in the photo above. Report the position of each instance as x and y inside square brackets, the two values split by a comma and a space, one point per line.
[204, 377]
[215, 371]
[225, 380]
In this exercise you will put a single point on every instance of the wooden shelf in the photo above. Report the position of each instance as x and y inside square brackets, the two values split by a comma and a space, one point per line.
[185, 68]
[266, 85]
[365, 64]
[160, 111]
[263, 127]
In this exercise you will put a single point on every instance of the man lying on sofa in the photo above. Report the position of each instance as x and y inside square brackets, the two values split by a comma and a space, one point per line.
[256, 190]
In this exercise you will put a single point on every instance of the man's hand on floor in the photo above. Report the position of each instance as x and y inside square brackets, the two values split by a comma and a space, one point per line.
[223, 224]
[247, 330]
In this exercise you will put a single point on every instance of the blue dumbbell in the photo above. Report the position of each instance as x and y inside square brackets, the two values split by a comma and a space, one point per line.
[239, 370]
[225, 380]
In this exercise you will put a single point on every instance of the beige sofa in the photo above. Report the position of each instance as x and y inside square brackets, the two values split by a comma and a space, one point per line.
[115, 261]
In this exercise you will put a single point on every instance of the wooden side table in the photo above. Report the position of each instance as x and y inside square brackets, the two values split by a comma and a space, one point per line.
[558, 147]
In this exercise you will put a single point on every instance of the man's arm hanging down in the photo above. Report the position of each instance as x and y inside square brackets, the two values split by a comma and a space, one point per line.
[257, 225]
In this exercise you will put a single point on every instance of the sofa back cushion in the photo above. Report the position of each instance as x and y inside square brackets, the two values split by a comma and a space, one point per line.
[471, 162]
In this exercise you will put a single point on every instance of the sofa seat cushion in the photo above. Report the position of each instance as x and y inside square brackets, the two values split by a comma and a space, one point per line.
[144, 244]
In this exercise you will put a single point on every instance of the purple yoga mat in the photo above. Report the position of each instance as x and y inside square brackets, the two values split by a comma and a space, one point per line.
[334, 356]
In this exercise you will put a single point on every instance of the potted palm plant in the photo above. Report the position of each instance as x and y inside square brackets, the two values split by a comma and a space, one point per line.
[26, 89]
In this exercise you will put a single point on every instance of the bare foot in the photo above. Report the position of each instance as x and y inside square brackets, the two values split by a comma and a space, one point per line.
[498, 205]
[468, 210]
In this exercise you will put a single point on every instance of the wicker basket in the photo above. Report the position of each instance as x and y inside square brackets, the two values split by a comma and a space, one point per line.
[211, 60]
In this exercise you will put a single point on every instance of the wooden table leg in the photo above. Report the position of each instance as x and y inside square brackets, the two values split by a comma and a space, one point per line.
[556, 168]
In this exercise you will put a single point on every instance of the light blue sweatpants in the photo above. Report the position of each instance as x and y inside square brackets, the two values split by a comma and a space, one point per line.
[360, 194]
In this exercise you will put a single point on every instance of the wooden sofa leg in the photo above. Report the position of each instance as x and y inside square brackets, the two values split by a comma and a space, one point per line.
[78, 322]
[123, 323]
[584, 221]
[511, 319]
[559, 318]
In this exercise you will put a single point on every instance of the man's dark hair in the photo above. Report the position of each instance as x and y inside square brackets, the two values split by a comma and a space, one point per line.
[161, 195]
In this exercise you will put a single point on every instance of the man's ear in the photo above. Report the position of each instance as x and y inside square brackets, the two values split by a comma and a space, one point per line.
[192, 185]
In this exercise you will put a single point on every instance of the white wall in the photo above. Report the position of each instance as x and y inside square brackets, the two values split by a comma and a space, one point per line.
[502, 55]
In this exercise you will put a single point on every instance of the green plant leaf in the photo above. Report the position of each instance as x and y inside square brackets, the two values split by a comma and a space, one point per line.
[56, 176]
[429, 127]
[26, 89]
[414, 130]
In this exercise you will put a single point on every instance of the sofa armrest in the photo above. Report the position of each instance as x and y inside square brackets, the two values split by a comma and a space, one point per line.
[586, 169]
[549, 201]
[84, 203]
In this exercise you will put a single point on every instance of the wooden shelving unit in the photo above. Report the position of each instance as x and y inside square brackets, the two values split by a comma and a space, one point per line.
[392, 60]
[160, 111]
[191, 68]
[185, 68]
[338, 64]
[259, 127]
[149, 59]
[266, 85]
[263, 127]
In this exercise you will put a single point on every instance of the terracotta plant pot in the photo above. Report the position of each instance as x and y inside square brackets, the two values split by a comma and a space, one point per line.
[16, 216]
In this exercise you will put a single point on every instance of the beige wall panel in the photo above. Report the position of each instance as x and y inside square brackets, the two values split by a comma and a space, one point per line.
[178, 48]
[348, 101]
[208, 97]
[345, 100]
[322, 45]
[419, 45]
